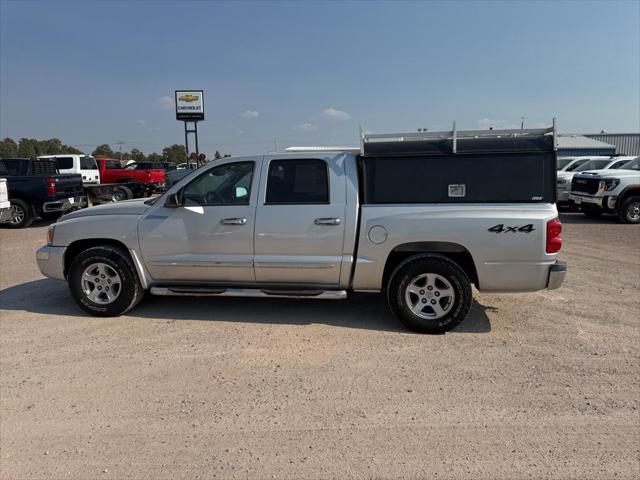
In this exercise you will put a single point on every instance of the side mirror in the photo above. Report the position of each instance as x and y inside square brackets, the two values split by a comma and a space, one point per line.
[241, 192]
[173, 200]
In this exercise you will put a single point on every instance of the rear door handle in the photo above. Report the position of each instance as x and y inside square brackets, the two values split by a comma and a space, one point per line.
[233, 221]
[327, 221]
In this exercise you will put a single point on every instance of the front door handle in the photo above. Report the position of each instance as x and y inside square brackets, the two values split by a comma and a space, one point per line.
[233, 221]
[327, 221]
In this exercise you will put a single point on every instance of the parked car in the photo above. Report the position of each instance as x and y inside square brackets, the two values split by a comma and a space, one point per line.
[134, 181]
[614, 191]
[5, 205]
[321, 224]
[563, 177]
[37, 190]
[84, 165]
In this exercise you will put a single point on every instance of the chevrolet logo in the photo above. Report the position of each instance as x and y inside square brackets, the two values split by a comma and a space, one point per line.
[189, 98]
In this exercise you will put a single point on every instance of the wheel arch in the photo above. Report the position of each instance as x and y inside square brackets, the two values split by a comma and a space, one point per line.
[79, 246]
[628, 192]
[453, 251]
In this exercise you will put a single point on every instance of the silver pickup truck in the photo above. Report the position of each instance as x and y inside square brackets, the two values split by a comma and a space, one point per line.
[414, 215]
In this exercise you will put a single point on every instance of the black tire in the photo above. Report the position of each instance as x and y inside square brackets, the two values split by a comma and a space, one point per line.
[591, 212]
[412, 268]
[121, 193]
[21, 214]
[629, 211]
[130, 293]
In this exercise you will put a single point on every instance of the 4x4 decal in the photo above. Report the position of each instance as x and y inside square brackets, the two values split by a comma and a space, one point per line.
[501, 228]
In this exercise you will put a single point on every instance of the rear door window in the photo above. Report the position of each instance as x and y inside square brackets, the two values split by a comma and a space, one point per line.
[64, 163]
[88, 163]
[297, 182]
[112, 165]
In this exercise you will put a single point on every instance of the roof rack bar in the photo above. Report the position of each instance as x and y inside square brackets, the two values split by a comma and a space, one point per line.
[455, 137]
[402, 136]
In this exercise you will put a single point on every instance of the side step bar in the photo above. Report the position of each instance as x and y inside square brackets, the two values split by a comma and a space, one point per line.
[247, 292]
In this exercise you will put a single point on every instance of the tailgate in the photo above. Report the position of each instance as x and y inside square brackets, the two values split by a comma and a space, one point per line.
[4, 195]
[157, 176]
[68, 185]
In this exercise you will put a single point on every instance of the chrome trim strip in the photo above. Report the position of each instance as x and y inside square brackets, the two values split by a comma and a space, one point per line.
[293, 265]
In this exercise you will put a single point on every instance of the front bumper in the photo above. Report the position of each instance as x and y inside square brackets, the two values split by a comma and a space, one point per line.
[604, 202]
[562, 196]
[556, 275]
[5, 215]
[65, 204]
[51, 261]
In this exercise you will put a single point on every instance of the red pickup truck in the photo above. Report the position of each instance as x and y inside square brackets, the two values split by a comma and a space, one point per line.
[136, 182]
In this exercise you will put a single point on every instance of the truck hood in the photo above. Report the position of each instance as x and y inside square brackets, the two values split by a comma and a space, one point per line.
[620, 173]
[127, 207]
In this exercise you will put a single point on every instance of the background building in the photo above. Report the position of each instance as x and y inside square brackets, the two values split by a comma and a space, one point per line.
[626, 143]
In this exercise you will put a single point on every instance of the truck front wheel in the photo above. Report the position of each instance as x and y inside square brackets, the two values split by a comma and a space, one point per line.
[429, 294]
[104, 282]
[629, 211]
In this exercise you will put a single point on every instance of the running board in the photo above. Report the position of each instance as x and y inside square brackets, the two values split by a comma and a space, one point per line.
[247, 292]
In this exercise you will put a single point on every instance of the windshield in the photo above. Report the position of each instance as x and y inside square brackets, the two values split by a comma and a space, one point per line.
[632, 164]
[576, 164]
[592, 165]
[563, 162]
[88, 163]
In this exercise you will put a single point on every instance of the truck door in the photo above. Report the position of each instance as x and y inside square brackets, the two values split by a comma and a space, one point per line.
[208, 237]
[300, 221]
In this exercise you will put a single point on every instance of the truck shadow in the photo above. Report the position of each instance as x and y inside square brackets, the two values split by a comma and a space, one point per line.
[581, 219]
[365, 311]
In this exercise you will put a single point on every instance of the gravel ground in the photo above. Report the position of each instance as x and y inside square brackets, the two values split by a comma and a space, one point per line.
[540, 385]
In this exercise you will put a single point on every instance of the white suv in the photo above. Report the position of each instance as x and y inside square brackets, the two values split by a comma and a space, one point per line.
[84, 165]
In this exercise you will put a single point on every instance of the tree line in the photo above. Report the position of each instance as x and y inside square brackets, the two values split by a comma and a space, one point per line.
[30, 147]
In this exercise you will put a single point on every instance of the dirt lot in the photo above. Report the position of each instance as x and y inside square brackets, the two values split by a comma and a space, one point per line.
[541, 385]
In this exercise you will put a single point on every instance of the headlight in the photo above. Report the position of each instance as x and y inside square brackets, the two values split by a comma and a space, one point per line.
[562, 181]
[609, 184]
[50, 234]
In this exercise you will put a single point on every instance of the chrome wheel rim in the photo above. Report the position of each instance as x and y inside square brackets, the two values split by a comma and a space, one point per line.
[633, 212]
[101, 283]
[17, 214]
[430, 296]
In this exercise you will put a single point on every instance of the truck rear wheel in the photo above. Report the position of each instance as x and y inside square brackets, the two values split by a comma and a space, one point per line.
[104, 282]
[429, 294]
[121, 193]
[629, 211]
[21, 214]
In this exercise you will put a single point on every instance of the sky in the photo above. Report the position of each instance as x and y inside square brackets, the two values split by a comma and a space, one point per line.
[307, 73]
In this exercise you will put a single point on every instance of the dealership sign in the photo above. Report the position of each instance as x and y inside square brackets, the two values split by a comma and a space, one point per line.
[190, 105]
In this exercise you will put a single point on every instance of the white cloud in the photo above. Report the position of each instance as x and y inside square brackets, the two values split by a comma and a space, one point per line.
[164, 103]
[249, 114]
[335, 114]
[487, 122]
[306, 127]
